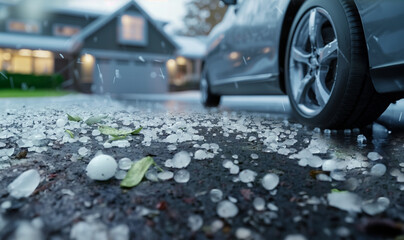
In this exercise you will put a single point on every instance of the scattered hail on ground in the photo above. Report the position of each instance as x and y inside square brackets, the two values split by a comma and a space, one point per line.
[68, 166]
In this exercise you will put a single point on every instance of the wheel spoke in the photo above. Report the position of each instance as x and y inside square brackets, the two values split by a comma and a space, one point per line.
[300, 56]
[329, 52]
[313, 27]
[303, 88]
[322, 94]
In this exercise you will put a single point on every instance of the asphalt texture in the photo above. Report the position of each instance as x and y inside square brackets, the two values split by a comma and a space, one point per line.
[66, 197]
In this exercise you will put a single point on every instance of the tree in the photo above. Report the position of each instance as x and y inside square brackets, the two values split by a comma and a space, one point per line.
[202, 16]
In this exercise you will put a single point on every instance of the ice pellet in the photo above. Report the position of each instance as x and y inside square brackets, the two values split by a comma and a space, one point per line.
[270, 181]
[25, 184]
[125, 163]
[182, 176]
[216, 195]
[181, 160]
[101, 167]
[226, 209]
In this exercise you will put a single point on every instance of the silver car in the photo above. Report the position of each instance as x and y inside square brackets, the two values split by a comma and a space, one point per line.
[341, 62]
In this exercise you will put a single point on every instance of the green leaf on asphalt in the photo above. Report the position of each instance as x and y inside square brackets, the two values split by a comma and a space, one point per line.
[137, 172]
[94, 120]
[70, 133]
[334, 190]
[106, 130]
[73, 118]
[116, 138]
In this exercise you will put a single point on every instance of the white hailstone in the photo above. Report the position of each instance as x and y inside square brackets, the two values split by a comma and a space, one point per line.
[226, 209]
[254, 156]
[374, 156]
[361, 139]
[171, 147]
[195, 222]
[151, 175]
[375, 207]
[166, 175]
[234, 169]
[243, 233]
[107, 145]
[247, 176]
[125, 163]
[101, 167]
[259, 204]
[346, 201]
[61, 122]
[181, 160]
[216, 195]
[272, 207]
[95, 132]
[83, 151]
[227, 164]
[120, 174]
[295, 237]
[25, 184]
[182, 176]
[270, 181]
[201, 154]
[378, 170]
[216, 225]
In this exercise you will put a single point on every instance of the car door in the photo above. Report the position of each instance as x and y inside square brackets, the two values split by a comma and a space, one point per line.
[249, 53]
[259, 21]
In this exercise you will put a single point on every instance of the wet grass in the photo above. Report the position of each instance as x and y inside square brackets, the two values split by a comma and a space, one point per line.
[18, 93]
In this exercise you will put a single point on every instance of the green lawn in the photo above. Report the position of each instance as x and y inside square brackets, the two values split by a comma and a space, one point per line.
[18, 93]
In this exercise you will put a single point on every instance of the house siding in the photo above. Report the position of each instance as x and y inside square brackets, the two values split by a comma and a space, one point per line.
[106, 38]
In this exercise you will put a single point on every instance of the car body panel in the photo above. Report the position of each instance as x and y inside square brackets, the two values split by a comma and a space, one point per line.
[244, 47]
[384, 32]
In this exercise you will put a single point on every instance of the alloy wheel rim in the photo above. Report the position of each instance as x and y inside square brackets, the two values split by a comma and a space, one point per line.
[313, 61]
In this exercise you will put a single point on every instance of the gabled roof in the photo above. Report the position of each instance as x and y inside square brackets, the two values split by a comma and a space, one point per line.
[102, 21]
[18, 41]
[72, 44]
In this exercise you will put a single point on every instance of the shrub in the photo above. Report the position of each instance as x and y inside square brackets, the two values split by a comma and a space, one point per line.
[20, 81]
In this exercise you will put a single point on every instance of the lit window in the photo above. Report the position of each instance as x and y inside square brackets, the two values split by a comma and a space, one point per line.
[87, 68]
[132, 30]
[23, 26]
[65, 30]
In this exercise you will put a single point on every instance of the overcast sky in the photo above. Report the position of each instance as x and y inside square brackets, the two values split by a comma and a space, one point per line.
[166, 10]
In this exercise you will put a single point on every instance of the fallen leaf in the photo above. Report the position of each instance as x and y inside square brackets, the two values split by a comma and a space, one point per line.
[94, 120]
[74, 118]
[70, 133]
[106, 130]
[137, 172]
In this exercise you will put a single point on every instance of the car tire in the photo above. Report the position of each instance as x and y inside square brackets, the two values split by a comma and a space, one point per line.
[208, 99]
[326, 67]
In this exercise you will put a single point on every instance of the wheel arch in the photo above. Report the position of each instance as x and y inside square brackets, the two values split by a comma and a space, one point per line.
[290, 15]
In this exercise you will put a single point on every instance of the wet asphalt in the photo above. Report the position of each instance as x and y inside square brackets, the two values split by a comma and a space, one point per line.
[162, 210]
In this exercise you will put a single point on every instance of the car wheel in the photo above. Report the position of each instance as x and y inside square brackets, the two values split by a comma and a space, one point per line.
[326, 67]
[207, 97]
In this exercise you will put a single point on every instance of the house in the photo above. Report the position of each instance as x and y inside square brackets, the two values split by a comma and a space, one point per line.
[121, 52]
[185, 69]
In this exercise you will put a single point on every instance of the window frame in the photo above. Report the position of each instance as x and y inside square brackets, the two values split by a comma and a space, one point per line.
[55, 25]
[9, 21]
[137, 43]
